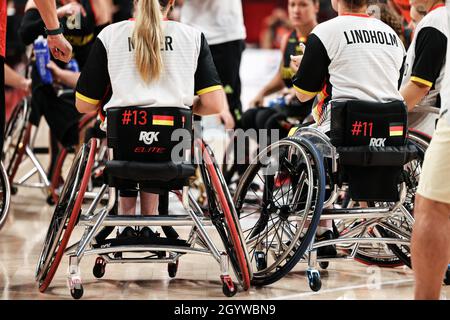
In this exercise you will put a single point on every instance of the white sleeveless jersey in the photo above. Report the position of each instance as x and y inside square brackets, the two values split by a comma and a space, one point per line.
[188, 69]
[436, 19]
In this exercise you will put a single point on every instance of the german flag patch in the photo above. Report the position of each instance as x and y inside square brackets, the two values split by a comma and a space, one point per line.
[396, 129]
[163, 121]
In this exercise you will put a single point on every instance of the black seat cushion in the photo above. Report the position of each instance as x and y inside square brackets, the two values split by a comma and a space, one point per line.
[153, 171]
[366, 156]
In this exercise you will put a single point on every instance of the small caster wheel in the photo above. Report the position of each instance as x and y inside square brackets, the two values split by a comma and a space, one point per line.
[77, 293]
[172, 268]
[13, 190]
[261, 261]
[50, 200]
[99, 268]
[447, 277]
[314, 280]
[324, 265]
[228, 287]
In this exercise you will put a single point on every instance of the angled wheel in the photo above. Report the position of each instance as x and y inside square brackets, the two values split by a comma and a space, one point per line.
[66, 215]
[17, 134]
[281, 224]
[283, 220]
[5, 195]
[224, 215]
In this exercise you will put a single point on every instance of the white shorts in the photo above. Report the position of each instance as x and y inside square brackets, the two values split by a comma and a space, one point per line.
[434, 181]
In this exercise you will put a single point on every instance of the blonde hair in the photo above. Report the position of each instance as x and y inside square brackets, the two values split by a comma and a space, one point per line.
[147, 39]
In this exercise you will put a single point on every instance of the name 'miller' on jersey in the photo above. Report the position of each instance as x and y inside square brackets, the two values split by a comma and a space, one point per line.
[166, 46]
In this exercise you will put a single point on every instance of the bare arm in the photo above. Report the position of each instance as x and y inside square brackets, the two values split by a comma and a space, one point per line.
[15, 79]
[210, 103]
[413, 93]
[60, 48]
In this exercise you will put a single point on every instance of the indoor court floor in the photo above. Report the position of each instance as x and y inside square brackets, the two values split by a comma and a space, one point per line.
[198, 277]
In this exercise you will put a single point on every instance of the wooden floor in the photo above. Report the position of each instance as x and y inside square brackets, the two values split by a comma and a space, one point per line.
[198, 277]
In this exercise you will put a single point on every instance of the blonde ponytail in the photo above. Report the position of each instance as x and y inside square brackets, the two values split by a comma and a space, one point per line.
[147, 39]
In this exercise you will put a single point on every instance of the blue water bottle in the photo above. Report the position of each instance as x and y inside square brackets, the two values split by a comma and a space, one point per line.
[42, 54]
[73, 66]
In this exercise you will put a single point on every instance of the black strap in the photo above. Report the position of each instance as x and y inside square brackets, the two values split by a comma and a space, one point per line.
[55, 32]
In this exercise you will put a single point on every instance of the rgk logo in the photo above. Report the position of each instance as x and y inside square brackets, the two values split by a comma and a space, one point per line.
[377, 142]
[148, 137]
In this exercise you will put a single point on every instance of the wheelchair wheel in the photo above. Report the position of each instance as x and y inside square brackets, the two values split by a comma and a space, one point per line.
[224, 216]
[282, 223]
[17, 134]
[399, 226]
[5, 195]
[66, 215]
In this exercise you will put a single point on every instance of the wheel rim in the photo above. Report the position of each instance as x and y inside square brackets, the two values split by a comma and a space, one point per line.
[63, 223]
[277, 235]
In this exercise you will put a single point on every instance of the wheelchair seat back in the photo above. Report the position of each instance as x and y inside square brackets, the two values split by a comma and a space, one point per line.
[151, 146]
[371, 140]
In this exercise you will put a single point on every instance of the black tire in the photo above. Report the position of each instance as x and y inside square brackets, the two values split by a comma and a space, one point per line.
[290, 252]
[314, 281]
[63, 220]
[172, 269]
[99, 268]
[14, 134]
[5, 196]
[227, 291]
[222, 225]
[401, 253]
[77, 293]
[324, 265]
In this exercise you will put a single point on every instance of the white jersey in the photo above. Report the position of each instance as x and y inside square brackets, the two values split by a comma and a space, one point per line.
[445, 90]
[418, 66]
[220, 20]
[188, 69]
[351, 57]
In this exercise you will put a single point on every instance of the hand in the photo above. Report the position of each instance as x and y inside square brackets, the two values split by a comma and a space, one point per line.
[70, 10]
[227, 119]
[55, 70]
[295, 62]
[257, 102]
[25, 86]
[60, 47]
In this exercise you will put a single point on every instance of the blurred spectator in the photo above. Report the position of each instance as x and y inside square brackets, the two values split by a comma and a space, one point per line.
[276, 27]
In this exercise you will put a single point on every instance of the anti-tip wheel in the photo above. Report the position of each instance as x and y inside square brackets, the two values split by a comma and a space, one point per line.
[314, 281]
[50, 200]
[229, 291]
[261, 261]
[99, 268]
[172, 269]
[447, 277]
[324, 265]
[77, 293]
[13, 190]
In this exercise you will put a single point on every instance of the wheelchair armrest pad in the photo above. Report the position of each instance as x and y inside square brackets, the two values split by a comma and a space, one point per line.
[142, 171]
[366, 156]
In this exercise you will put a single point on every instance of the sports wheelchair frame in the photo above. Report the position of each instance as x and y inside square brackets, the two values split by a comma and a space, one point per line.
[294, 184]
[159, 176]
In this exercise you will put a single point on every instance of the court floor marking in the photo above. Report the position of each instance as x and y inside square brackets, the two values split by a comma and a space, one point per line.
[361, 286]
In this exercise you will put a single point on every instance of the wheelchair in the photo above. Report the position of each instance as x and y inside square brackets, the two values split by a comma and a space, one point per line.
[155, 162]
[5, 195]
[362, 176]
[20, 152]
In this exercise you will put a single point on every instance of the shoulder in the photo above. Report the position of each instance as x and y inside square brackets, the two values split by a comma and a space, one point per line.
[327, 28]
[115, 30]
[436, 19]
[174, 26]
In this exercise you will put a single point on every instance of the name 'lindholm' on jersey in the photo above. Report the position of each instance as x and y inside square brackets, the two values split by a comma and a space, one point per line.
[377, 37]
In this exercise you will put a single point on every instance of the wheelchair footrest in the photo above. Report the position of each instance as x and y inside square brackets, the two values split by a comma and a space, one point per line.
[158, 241]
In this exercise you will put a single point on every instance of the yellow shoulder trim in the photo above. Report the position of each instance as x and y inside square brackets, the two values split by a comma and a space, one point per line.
[422, 81]
[309, 93]
[208, 90]
[86, 99]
